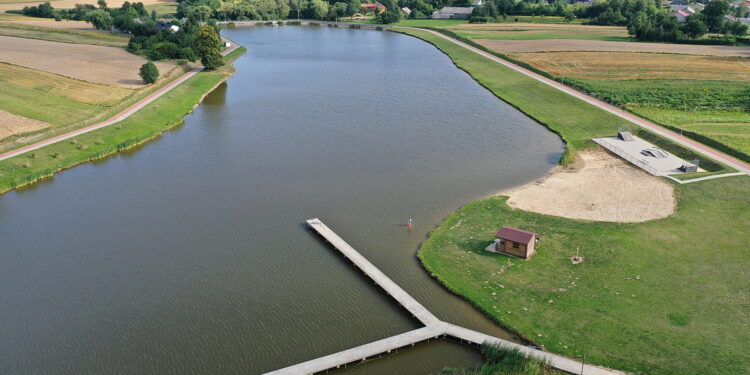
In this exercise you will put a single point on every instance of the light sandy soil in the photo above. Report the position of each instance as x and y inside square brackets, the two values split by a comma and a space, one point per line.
[98, 64]
[547, 45]
[11, 124]
[69, 4]
[605, 188]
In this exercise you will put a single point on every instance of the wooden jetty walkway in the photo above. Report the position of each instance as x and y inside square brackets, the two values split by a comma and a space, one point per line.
[433, 329]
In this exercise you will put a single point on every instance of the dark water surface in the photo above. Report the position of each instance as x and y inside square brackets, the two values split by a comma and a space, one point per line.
[188, 255]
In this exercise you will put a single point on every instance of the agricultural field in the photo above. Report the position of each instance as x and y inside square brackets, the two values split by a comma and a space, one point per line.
[535, 31]
[65, 32]
[103, 65]
[702, 91]
[164, 113]
[561, 45]
[51, 98]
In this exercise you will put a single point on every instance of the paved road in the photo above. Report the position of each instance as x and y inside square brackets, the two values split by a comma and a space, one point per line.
[677, 138]
[114, 119]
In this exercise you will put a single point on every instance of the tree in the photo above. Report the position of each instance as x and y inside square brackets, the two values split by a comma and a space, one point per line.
[741, 11]
[713, 14]
[100, 18]
[694, 27]
[206, 44]
[102, 4]
[735, 28]
[149, 72]
[212, 60]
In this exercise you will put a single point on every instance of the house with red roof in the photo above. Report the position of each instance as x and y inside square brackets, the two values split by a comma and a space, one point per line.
[515, 242]
[373, 8]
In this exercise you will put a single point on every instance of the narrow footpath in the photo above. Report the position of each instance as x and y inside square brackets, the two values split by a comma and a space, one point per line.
[741, 166]
[127, 112]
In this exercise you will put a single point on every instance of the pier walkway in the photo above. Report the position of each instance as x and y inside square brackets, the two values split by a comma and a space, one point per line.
[433, 329]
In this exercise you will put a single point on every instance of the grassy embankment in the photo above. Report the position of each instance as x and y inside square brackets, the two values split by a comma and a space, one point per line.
[500, 360]
[661, 297]
[162, 114]
[53, 34]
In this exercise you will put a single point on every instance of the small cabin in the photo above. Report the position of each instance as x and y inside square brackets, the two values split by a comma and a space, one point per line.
[515, 242]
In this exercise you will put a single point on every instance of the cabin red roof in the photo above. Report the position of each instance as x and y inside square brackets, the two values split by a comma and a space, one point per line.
[515, 235]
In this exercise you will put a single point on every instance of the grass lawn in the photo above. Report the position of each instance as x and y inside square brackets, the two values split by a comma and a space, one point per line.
[146, 124]
[662, 297]
[63, 35]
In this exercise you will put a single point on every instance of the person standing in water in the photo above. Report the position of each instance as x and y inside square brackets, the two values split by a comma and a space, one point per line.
[409, 223]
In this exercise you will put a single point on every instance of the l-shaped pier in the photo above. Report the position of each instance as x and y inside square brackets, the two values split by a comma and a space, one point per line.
[433, 329]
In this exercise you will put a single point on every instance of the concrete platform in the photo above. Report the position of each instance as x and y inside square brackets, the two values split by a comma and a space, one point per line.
[631, 151]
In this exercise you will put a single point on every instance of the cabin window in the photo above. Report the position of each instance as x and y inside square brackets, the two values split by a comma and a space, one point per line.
[515, 245]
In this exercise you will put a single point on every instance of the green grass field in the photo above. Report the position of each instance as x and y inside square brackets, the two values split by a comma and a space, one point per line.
[661, 297]
[62, 35]
[163, 8]
[719, 110]
[146, 124]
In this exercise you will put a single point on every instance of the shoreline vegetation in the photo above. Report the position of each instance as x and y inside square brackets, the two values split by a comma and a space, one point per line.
[632, 304]
[148, 123]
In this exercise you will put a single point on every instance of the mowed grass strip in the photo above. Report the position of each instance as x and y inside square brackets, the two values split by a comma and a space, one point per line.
[53, 98]
[576, 120]
[661, 297]
[147, 123]
[62, 35]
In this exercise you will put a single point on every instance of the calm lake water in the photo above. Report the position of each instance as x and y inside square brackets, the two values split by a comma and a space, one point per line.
[188, 255]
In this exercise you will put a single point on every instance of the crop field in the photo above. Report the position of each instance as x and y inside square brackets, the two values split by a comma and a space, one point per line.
[52, 98]
[531, 31]
[11, 125]
[561, 45]
[96, 64]
[628, 65]
[67, 32]
[163, 8]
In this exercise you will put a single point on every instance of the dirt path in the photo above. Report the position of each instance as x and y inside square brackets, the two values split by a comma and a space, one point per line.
[679, 139]
[114, 119]
[606, 188]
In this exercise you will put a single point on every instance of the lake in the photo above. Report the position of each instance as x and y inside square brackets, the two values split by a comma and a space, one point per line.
[189, 254]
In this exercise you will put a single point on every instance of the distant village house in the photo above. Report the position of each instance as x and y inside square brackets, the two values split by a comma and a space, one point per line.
[373, 8]
[515, 242]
